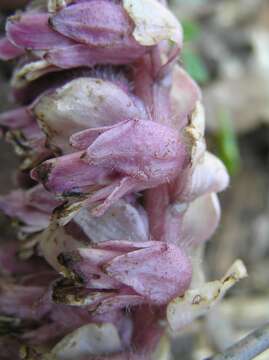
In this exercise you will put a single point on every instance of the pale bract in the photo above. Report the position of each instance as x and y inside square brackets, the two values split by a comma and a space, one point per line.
[153, 22]
[198, 301]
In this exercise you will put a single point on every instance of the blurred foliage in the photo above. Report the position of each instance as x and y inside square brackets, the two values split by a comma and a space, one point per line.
[227, 143]
[191, 30]
[195, 66]
[192, 61]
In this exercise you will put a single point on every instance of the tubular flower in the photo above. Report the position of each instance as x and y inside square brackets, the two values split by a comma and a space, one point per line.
[124, 273]
[121, 191]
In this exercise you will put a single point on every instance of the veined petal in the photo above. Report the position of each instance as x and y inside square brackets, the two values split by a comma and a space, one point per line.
[31, 31]
[69, 175]
[158, 272]
[83, 55]
[95, 23]
[142, 149]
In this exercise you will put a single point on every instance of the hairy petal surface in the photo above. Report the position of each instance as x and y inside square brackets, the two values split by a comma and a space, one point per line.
[154, 270]
[158, 272]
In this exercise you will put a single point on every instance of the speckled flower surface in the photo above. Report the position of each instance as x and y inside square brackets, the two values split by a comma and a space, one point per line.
[119, 192]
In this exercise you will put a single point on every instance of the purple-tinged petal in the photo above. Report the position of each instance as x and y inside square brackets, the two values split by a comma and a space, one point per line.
[11, 264]
[18, 301]
[32, 207]
[144, 150]
[80, 104]
[41, 199]
[32, 31]
[110, 194]
[184, 95]
[83, 139]
[119, 302]
[95, 23]
[8, 51]
[130, 156]
[156, 202]
[158, 273]
[125, 246]
[209, 175]
[190, 225]
[82, 55]
[15, 206]
[16, 119]
[121, 221]
[200, 220]
[69, 175]
[87, 264]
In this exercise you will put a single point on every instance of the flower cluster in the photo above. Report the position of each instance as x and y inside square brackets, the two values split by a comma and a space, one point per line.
[118, 191]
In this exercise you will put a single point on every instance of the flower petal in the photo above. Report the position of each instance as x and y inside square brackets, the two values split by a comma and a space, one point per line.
[80, 104]
[153, 22]
[31, 31]
[95, 23]
[159, 272]
[81, 55]
[8, 51]
[209, 175]
[88, 340]
[184, 95]
[121, 221]
[197, 302]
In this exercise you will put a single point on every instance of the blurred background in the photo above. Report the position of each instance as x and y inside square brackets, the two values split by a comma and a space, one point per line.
[227, 53]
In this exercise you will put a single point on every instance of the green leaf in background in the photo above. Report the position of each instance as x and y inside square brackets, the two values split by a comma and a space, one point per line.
[191, 30]
[195, 66]
[228, 148]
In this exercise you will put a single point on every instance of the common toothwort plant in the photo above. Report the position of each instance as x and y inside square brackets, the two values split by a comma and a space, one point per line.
[118, 191]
